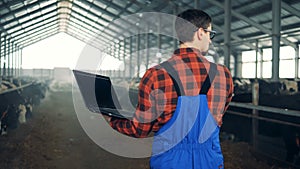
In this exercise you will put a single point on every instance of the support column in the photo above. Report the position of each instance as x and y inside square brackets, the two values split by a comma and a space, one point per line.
[159, 54]
[21, 60]
[12, 59]
[261, 62]
[130, 57]
[124, 60]
[5, 55]
[227, 33]
[147, 48]
[8, 58]
[18, 60]
[196, 2]
[238, 65]
[111, 53]
[119, 57]
[175, 38]
[236, 55]
[297, 62]
[256, 59]
[15, 60]
[276, 26]
[0, 56]
[138, 54]
[255, 101]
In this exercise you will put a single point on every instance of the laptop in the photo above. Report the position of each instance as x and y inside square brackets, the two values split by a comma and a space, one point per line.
[99, 95]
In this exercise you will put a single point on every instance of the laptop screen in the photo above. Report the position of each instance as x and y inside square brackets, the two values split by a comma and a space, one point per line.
[97, 90]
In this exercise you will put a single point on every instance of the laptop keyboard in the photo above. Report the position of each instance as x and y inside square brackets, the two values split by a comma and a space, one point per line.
[117, 112]
[111, 112]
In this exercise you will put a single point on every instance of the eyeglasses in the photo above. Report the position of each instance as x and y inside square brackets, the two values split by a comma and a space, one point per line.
[211, 33]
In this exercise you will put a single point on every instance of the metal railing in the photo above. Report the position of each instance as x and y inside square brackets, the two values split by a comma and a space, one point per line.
[265, 109]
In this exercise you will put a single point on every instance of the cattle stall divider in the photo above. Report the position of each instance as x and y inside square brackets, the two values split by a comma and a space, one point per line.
[255, 117]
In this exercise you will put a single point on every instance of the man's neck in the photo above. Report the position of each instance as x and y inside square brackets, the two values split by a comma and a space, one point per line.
[188, 45]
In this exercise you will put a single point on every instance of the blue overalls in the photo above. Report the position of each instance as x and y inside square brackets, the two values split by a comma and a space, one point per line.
[190, 139]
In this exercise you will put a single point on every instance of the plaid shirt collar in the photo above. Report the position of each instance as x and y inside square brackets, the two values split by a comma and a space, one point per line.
[189, 50]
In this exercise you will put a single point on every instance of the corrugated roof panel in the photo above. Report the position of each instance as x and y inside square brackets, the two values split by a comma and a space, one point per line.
[95, 11]
[239, 24]
[79, 10]
[115, 28]
[296, 6]
[290, 20]
[32, 32]
[145, 2]
[45, 3]
[82, 4]
[10, 25]
[50, 14]
[267, 25]
[262, 18]
[292, 39]
[35, 7]
[4, 11]
[82, 25]
[48, 9]
[102, 22]
[112, 10]
[105, 16]
[21, 13]
[27, 2]
[9, 17]
[16, 6]
[35, 14]
[29, 23]
[248, 30]
[75, 15]
[24, 19]
[133, 8]
[249, 6]
[91, 23]
[284, 12]
[38, 37]
[213, 10]
[36, 25]
[79, 18]
[38, 19]
[120, 2]
[14, 29]
[92, 17]
[100, 4]
[258, 11]
[21, 31]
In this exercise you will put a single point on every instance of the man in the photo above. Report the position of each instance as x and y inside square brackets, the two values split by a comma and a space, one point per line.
[182, 101]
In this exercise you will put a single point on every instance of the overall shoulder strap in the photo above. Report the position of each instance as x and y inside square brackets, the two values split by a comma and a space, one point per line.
[209, 78]
[174, 76]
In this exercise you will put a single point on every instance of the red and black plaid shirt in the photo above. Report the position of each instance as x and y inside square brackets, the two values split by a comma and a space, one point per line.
[157, 96]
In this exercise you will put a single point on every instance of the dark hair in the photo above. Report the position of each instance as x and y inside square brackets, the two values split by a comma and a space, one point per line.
[190, 21]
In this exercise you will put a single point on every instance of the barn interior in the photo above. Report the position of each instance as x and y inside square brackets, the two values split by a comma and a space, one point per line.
[257, 40]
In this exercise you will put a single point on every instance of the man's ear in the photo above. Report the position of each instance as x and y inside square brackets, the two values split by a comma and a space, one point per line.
[199, 34]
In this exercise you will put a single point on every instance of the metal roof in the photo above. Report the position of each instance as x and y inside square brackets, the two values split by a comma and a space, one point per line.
[25, 22]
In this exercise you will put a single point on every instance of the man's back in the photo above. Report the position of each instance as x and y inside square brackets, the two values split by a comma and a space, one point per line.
[191, 136]
[192, 69]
